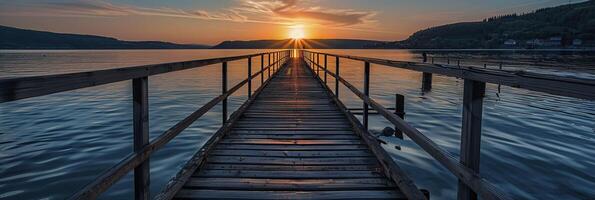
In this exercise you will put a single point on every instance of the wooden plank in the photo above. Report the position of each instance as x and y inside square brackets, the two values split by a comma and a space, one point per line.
[293, 154]
[318, 184]
[294, 136]
[254, 160]
[240, 194]
[293, 167]
[287, 174]
[292, 132]
[288, 142]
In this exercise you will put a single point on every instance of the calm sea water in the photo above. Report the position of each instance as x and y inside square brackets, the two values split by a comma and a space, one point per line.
[534, 145]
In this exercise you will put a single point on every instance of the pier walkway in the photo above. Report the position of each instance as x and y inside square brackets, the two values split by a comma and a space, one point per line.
[293, 142]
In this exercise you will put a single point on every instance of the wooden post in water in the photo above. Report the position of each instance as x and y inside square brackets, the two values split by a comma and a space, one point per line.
[249, 77]
[426, 78]
[399, 111]
[140, 98]
[337, 78]
[473, 93]
[325, 67]
[366, 92]
[224, 90]
[261, 69]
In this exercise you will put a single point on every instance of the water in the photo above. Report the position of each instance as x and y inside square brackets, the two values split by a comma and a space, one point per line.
[534, 145]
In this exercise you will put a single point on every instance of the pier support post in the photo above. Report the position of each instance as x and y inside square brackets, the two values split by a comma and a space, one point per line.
[249, 77]
[426, 82]
[473, 93]
[325, 67]
[399, 111]
[366, 92]
[140, 98]
[337, 78]
[224, 90]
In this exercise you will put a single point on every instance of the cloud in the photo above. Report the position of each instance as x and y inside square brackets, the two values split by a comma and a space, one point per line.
[292, 10]
[257, 11]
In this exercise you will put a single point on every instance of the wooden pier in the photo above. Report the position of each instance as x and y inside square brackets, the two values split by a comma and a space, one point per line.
[294, 138]
[292, 142]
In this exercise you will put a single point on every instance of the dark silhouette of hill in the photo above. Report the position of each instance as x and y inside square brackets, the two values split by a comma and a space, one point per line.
[16, 38]
[564, 24]
[303, 43]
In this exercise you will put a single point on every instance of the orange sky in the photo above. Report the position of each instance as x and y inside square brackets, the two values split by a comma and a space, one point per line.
[210, 22]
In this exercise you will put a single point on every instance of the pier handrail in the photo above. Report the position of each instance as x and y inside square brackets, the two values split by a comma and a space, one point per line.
[13, 89]
[576, 87]
[466, 170]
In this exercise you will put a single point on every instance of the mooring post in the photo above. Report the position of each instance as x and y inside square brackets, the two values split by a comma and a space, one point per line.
[473, 93]
[249, 77]
[366, 92]
[224, 90]
[325, 68]
[500, 86]
[140, 107]
[399, 111]
[426, 78]
[261, 69]
[337, 77]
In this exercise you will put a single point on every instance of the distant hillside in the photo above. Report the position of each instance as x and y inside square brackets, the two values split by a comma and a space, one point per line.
[304, 43]
[15, 38]
[562, 26]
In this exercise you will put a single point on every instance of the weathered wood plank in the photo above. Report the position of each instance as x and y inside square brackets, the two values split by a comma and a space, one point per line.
[287, 174]
[292, 161]
[240, 194]
[293, 167]
[291, 154]
[318, 184]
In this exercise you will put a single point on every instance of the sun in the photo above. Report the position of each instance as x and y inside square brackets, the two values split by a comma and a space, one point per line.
[297, 32]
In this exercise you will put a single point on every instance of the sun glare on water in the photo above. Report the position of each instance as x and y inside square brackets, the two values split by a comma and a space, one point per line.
[297, 32]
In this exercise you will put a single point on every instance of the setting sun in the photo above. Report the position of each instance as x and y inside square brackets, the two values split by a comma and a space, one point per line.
[297, 32]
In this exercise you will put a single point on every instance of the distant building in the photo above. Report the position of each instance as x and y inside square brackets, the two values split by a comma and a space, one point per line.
[577, 42]
[553, 42]
[510, 42]
[535, 42]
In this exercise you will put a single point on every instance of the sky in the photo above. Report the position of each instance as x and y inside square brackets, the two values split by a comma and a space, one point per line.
[213, 21]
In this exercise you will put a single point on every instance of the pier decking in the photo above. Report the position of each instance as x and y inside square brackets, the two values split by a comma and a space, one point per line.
[293, 142]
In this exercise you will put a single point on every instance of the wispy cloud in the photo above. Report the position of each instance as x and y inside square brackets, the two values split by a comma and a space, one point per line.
[257, 11]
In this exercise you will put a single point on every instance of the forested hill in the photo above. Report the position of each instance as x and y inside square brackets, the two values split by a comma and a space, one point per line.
[547, 27]
[16, 38]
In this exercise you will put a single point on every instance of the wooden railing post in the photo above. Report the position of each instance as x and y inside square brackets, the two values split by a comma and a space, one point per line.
[261, 69]
[399, 111]
[249, 76]
[317, 64]
[366, 92]
[224, 90]
[325, 68]
[473, 93]
[337, 77]
[140, 98]
[269, 65]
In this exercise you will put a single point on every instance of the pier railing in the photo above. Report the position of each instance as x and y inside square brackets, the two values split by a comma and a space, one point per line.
[21, 88]
[466, 169]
